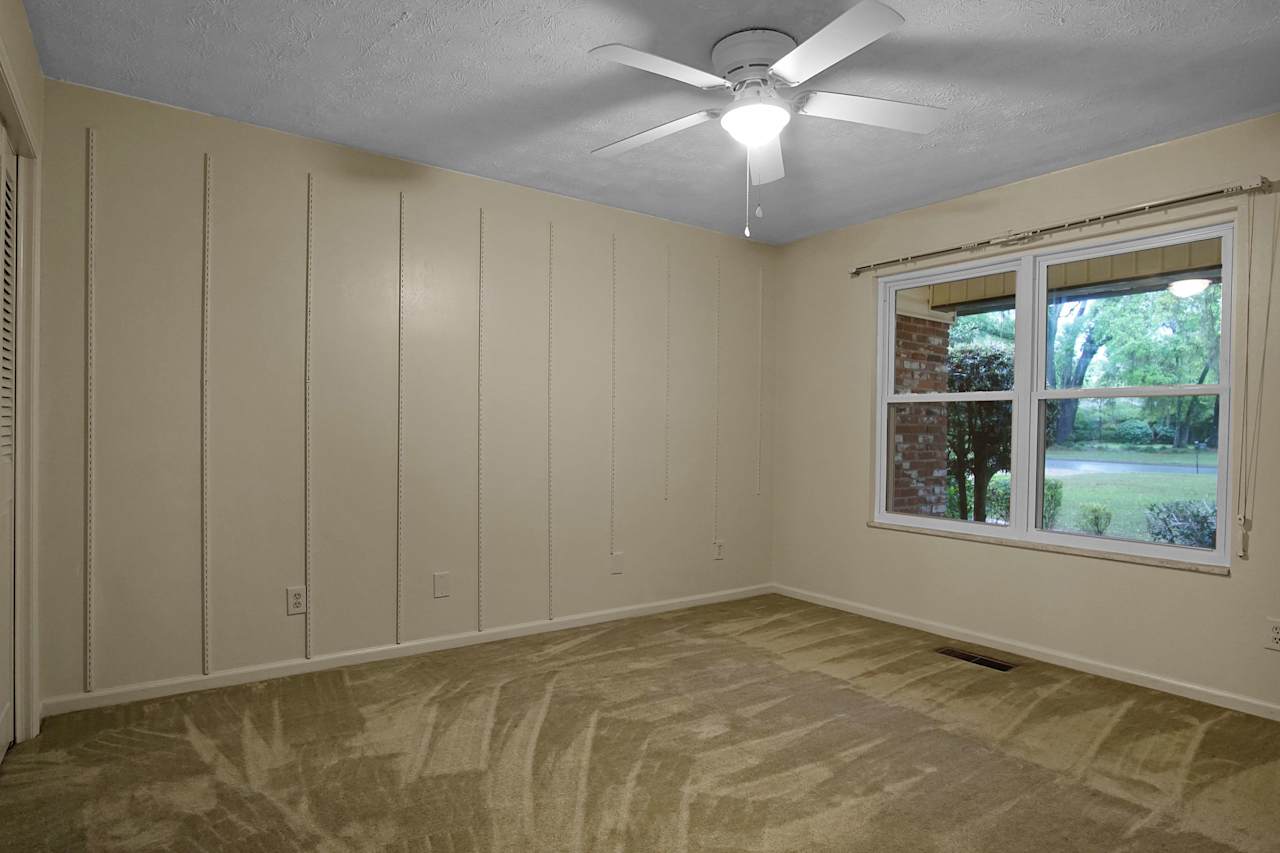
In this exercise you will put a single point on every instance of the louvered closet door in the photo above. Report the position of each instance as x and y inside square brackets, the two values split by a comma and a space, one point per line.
[8, 422]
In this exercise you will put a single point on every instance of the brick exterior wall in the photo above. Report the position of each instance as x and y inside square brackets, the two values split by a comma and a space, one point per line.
[918, 483]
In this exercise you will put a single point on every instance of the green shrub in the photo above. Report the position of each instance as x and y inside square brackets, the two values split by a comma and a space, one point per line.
[1082, 434]
[1134, 431]
[1094, 518]
[998, 501]
[1193, 523]
[1052, 504]
[953, 499]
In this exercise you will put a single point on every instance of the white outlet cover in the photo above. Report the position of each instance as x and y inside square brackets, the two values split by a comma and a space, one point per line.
[1273, 635]
[440, 585]
[295, 600]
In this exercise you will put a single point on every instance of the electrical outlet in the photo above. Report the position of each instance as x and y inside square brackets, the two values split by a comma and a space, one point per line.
[717, 549]
[1273, 634]
[615, 563]
[440, 585]
[295, 600]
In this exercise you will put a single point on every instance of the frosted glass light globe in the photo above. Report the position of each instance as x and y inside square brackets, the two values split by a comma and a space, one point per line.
[754, 124]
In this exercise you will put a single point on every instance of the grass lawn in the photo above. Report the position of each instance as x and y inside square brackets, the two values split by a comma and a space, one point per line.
[1121, 453]
[1128, 496]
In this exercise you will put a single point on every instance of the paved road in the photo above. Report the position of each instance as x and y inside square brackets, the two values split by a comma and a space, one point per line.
[1067, 467]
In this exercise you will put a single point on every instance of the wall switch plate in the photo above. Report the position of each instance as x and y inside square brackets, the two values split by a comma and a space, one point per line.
[295, 600]
[440, 586]
[717, 549]
[615, 563]
[1273, 634]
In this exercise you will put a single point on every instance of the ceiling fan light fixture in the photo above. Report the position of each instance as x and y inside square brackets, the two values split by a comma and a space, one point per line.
[752, 64]
[756, 122]
[1185, 288]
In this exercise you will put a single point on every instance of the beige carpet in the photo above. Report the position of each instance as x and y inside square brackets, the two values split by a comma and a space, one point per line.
[765, 724]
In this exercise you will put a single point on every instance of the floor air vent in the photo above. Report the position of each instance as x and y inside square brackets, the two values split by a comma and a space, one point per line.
[980, 660]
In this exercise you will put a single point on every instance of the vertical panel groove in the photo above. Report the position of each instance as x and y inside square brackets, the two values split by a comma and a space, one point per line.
[205, 298]
[551, 253]
[715, 456]
[613, 391]
[306, 420]
[89, 322]
[759, 376]
[480, 434]
[400, 429]
[666, 401]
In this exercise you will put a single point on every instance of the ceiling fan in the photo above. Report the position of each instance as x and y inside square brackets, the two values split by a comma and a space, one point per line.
[755, 65]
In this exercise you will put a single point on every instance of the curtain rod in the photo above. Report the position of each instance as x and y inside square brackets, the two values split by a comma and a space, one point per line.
[1257, 184]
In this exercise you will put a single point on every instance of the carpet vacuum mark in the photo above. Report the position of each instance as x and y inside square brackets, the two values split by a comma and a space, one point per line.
[766, 724]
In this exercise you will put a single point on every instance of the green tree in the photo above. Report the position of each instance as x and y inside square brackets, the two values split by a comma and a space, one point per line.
[979, 433]
[1142, 335]
[1076, 333]
[1161, 339]
[986, 327]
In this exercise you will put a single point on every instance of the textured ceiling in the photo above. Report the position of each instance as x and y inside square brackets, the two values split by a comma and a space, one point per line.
[505, 89]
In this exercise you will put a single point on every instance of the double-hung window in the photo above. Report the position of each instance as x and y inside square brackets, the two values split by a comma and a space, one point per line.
[1072, 397]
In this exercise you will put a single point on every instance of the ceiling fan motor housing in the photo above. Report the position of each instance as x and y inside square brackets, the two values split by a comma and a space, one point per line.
[746, 56]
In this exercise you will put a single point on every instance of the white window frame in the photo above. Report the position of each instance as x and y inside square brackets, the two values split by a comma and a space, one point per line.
[1029, 389]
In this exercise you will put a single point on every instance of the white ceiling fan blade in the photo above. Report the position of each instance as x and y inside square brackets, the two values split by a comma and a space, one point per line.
[661, 66]
[644, 137]
[766, 162]
[847, 34]
[896, 115]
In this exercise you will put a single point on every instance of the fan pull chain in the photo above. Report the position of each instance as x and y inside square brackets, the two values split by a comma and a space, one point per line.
[746, 228]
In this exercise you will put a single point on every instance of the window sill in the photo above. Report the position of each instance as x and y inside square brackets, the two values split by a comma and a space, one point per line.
[1159, 562]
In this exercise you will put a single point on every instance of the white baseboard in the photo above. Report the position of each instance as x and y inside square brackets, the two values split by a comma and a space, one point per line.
[260, 672]
[244, 675]
[1199, 692]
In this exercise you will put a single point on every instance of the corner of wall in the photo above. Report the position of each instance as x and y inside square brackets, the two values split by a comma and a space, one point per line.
[21, 79]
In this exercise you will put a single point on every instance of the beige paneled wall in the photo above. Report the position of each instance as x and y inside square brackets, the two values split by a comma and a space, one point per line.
[257, 292]
[514, 253]
[1178, 630]
[502, 383]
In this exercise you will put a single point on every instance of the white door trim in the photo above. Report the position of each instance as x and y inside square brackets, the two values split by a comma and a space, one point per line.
[26, 640]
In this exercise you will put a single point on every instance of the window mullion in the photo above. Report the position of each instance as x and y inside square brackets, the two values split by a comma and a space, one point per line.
[1022, 498]
[1130, 391]
[952, 396]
